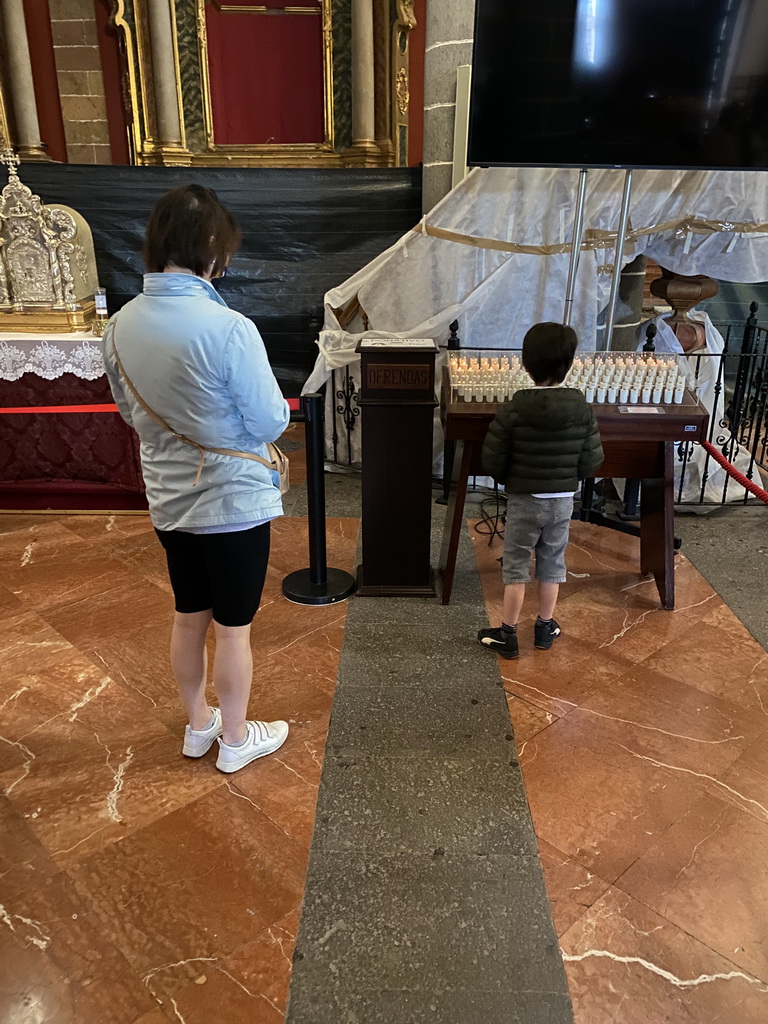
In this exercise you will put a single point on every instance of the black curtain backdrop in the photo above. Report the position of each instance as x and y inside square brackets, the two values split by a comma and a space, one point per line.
[304, 231]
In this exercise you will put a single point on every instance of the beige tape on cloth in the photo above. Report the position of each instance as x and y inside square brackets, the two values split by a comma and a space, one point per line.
[596, 238]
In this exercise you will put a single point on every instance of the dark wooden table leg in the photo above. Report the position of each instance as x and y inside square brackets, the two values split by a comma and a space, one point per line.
[449, 451]
[657, 527]
[454, 516]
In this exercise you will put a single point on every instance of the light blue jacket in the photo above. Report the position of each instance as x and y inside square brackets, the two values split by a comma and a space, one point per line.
[203, 368]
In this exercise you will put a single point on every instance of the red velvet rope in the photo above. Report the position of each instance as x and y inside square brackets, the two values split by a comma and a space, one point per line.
[734, 473]
[37, 409]
[293, 405]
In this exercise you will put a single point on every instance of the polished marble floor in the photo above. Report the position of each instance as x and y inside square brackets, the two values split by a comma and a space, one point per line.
[643, 739]
[138, 888]
[135, 885]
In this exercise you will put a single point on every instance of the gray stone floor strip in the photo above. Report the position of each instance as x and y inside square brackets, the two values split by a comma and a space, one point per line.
[424, 899]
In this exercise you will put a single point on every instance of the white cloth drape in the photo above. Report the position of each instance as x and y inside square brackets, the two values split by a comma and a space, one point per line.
[418, 286]
[51, 356]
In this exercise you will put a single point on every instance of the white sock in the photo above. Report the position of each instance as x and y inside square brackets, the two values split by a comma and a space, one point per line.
[242, 742]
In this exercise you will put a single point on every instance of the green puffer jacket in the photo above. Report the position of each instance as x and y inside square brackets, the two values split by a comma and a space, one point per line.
[543, 441]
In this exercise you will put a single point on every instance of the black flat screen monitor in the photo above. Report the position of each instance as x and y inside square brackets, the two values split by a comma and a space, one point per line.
[620, 83]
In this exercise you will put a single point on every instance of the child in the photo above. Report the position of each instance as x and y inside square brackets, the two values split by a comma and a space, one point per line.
[539, 446]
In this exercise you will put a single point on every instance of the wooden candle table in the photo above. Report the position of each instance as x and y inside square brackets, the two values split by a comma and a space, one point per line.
[638, 441]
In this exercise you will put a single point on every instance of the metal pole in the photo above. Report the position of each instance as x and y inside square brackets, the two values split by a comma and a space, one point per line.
[313, 411]
[578, 234]
[317, 585]
[618, 260]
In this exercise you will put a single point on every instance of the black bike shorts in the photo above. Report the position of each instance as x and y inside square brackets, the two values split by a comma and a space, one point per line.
[221, 571]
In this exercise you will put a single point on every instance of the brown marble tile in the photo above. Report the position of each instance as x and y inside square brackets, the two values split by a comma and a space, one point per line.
[189, 864]
[669, 721]
[570, 887]
[745, 784]
[24, 861]
[143, 555]
[606, 550]
[285, 786]
[629, 622]
[9, 603]
[264, 966]
[282, 690]
[560, 679]
[157, 1016]
[707, 875]
[723, 618]
[316, 656]
[92, 767]
[27, 644]
[290, 551]
[527, 719]
[627, 965]
[107, 527]
[187, 891]
[59, 965]
[298, 467]
[280, 624]
[35, 699]
[106, 614]
[717, 661]
[142, 666]
[12, 521]
[595, 801]
[215, 996]
[53, 566]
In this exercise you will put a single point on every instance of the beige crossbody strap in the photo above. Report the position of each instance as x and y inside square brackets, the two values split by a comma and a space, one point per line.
[202, 448]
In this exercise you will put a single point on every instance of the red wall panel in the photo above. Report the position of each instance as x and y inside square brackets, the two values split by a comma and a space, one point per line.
[416, 46]
[38, 19]
[266, 74]
[112, 69]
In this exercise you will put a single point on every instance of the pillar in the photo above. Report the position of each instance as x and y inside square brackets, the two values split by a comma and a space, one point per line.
[629, 309]
[22, 84]
[364, 151]
[169, 142]
[450, 28]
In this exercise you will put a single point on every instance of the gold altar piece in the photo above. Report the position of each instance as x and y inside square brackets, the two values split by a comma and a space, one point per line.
[47, 264]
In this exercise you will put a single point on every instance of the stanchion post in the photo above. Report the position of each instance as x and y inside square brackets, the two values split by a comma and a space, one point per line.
[313, 413]
[317, 585]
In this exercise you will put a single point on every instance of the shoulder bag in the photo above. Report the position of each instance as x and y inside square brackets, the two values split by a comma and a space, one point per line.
[277, 460]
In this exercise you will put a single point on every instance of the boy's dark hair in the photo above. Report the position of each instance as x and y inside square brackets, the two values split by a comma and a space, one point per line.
[548, 351]
[190, 228]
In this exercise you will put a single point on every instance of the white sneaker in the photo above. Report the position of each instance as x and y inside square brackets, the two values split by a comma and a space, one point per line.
[261, 738]
[198, 742]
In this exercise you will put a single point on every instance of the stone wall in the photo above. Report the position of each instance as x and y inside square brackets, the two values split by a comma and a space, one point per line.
[450, 27]
[81, 82]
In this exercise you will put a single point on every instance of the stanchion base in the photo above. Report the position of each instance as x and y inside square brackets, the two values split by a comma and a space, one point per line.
[298, 588]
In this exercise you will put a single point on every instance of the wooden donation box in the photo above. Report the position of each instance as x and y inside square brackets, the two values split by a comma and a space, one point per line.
[397, 402]
[638, 427]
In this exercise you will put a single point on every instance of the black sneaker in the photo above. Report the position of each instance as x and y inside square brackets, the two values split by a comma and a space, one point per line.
[499, 641]
[545, 634]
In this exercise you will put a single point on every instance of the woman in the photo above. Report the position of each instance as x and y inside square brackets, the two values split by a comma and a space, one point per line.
[180, 362]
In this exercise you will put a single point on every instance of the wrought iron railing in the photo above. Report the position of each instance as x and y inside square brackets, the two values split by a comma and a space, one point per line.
[737, 379]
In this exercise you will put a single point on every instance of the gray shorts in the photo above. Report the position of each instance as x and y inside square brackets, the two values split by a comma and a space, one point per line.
[540, 525]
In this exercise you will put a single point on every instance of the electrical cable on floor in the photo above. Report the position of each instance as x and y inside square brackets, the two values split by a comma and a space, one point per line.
[493, 516]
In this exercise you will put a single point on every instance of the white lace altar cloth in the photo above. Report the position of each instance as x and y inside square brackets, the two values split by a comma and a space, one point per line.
[51, 355]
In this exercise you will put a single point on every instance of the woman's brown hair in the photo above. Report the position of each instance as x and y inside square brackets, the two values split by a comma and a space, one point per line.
[191, 229]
